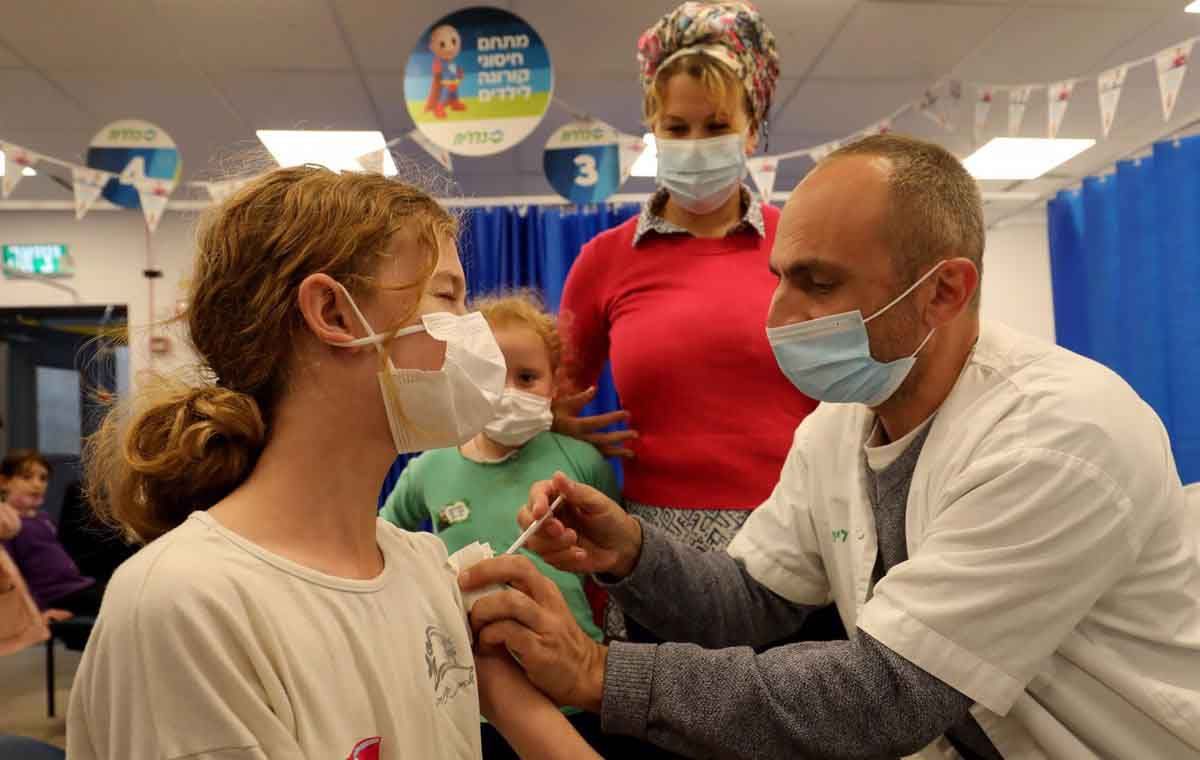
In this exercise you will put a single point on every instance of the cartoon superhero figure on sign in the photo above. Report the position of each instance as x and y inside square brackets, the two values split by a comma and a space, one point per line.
[445, 44]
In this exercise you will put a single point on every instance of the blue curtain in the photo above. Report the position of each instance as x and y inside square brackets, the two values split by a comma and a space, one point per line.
[1125, 271]
[529, 247]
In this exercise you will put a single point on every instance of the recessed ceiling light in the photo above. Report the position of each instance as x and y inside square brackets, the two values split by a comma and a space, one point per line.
[646, 164]
[334, 149]
[1022, 157]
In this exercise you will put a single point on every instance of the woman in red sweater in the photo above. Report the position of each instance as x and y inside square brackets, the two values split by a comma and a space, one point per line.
[677, 297]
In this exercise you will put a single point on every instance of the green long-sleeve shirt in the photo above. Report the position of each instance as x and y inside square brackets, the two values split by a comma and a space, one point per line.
[472, 501]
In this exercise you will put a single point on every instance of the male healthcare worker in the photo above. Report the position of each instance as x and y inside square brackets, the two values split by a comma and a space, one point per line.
[999, 521]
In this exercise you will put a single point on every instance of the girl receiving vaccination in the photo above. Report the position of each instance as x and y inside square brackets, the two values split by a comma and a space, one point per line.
[273, 615]
[473, 492]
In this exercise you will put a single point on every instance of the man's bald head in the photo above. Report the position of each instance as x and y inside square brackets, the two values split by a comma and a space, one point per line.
[935, 210]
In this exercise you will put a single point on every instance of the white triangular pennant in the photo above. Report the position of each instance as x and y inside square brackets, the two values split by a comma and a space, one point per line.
[219, 191]
[822, 152]
[372, 162]
[763, 169]
[16, 160]
[1109, 85]
[153, 195]
[134, 171]
[1058, 96]
[88, 184]
[983, 107]
[440, 154]
[1018, 98]
[933, 106]
[881, 127]
[1172, 65]
[629, 149]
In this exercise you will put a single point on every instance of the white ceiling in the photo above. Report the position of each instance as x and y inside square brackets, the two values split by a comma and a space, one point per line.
[212, 71]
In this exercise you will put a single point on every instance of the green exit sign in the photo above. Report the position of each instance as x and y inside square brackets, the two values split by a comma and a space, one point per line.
[42, 259]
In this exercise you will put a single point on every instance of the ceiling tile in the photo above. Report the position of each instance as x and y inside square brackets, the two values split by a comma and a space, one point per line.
[298, 100]
[225, 35]
[41, 105]
[90, 36]
[1031, 46]
[907, 40]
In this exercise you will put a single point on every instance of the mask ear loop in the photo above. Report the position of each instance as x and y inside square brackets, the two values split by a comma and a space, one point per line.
[902, 296]
[385, 360]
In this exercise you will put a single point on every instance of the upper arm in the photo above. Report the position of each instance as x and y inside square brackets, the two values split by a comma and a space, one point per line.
[1026, 544]
[583, 318]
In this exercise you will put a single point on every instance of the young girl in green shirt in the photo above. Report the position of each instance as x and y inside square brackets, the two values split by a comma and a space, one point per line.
[473, 492]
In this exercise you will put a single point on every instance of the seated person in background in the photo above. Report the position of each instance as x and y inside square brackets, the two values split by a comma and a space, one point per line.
[473, 492]
[53, 578]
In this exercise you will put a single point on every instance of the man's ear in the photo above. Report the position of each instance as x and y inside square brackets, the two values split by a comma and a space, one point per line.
[955, 284]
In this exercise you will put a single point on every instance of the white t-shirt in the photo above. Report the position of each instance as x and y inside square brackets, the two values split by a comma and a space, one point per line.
[208, 647]
[1052, 576]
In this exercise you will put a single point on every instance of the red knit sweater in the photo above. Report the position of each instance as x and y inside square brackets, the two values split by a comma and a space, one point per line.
[683, 320]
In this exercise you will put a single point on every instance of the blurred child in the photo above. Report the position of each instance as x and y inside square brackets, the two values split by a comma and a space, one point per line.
[53, 579]
[473, 492]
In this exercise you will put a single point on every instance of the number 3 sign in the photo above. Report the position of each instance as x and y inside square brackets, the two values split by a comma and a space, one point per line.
[582, 161]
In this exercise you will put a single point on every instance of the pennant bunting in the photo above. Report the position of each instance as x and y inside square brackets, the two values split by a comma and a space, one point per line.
[983, 107]
[153, 195]
[134, 171]
[88, 184]
[219, 191]
[629, 150]
[822, 152]
[1018, 98]
[763, 169]
[933, 106]
[1109, 85]
[372, 162]
[881, 127]
[16, 161]
[1058, 96]
[1172, 65]
[440, 154]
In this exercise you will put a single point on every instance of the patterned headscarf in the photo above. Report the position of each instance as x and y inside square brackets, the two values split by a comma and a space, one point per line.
[731, 32]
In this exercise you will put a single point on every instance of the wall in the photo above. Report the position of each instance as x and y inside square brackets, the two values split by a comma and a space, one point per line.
[1016, 277]
[109, 251]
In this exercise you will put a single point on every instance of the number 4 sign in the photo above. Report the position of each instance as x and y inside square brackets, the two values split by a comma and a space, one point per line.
[583, 162]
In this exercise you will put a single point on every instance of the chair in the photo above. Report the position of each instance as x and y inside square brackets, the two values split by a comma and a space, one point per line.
[24, 748]
[73, 634]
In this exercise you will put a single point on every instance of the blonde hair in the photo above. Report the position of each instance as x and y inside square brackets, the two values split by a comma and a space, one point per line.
[524, 308]
[721, 84]
[178, 447]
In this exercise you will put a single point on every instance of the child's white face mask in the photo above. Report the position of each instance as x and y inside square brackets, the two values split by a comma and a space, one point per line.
[445, 407]
[520, 417]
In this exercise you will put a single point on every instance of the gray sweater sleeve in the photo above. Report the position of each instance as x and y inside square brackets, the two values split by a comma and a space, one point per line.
[683, 594]
[842, 699]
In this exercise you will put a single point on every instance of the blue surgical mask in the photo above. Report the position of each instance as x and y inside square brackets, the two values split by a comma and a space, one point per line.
[829, 359]
[700, 175]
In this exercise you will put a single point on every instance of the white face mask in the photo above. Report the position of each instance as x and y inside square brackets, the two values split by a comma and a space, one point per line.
[446, 407]
[520, 417]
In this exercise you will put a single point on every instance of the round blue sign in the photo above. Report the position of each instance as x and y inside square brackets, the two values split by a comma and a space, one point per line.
[582, 161]
[137, 146]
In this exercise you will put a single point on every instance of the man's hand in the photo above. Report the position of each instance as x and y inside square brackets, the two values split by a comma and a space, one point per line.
[531, 621]
[589, 532]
